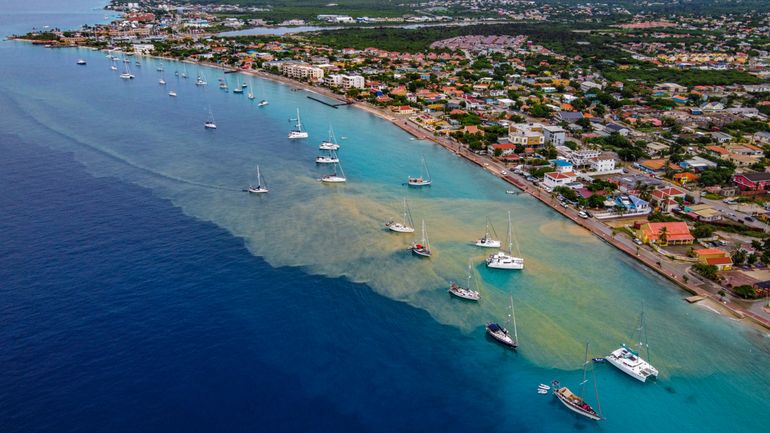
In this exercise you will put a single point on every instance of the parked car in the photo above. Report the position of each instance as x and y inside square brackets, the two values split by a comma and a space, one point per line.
[583, 215]
[637, 241]
[504, 173]
[749, 219]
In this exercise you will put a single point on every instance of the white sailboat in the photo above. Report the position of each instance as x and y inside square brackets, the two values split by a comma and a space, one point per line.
[161, 81]
[423, 179]
[331, 158]
[422, 248]
[337, 177]
[259, 188]
[466, 293]
[501, 260]
[184, 71]
[298, 132]
[576, 403]
[405, 227]
[251, 88]
[628, 360]
[172, 93]
[113, 65]
[200, 81]
[238, 90]
[126, 75]
[209, 124]
[330, 143]
[501, 334]
[488, 241]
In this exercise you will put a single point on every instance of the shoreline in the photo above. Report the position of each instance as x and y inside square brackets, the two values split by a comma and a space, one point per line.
[683, 280]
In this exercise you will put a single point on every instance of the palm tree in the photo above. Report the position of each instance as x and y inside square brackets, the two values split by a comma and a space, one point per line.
[663, 235]
[644, 190]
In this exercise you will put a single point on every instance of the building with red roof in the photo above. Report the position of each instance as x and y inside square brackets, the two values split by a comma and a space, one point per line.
[665, 233]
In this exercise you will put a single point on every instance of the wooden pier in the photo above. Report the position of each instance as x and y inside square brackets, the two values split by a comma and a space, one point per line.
[330, 104]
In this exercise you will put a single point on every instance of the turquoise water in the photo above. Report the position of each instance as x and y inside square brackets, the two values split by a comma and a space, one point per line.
[574, 288]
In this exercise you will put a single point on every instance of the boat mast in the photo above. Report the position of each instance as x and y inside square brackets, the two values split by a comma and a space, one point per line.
[299, 122]
[510, 237]
[425, 165]
[585, 366]
[259, 178]
[469, 274]
[515, 331]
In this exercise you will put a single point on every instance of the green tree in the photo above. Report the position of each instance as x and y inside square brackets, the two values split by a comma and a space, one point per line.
[745, 291]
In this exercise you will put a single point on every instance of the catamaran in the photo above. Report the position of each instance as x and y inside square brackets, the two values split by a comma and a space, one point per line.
[330, 143]
[487, 241]
[337, 177]
[297, 132]
[407, 226]
[628, 360]
[259, 188]
[501, 260]
[501, 335]
[465, 292]
[424, 179]
[331, 158]
[576, 403]
[422, 248]
[209, 124]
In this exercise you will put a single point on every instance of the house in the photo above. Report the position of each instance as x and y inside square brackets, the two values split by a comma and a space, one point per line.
[653, 165]
[555, 179]
[703, 212]
[666, 197]
[762, 137]
[526, 134]
[752, 181]
[657, 149]
[555, 135]
[562, 166]
[569, 116]
[671, 88]
[711, 107]
[405, 109]
[632, 203]
[588, 86]
[721, 137]
[685, 177]
[506, 148]
[714, 256]
[718, 151]
[665, 233]
[617, 129]
[697, 163]
[602, 165]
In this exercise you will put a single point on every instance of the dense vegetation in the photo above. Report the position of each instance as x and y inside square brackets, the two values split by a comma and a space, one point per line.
[685, 77]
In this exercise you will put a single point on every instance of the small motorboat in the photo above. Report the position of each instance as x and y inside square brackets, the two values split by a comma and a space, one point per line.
[512, 192]
[172, 93]
[542, 391]
[544, 386]
[599, 360]
[81, 62]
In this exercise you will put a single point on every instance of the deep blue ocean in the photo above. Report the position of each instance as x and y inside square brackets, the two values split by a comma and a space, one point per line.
[142, 291]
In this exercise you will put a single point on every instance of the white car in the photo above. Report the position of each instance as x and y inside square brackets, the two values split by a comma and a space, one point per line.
[583, 215]
[504, 173]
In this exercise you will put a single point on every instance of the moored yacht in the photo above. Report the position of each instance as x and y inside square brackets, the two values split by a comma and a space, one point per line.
[422, 248]
[628, 360]
[501, 335]
[81, 62]
[259, 188]
[331, 158]
[337, 177]
[487, 241]
[575, 402]
[466, 293]
[298, 132]
[503, 260]
[330, 143]
[423, 179]
[402, 227]
[209, 124]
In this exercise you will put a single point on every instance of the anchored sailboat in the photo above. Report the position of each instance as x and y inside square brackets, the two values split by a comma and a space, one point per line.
[407, 226]
[501, 260]
[209, 124]
[424, 179]
[422, 248]
[576, 403]
[337, 177]
[501, 335]
[331, 158]
[465, 292]
[259, 188]
[330, 143]
[628, 360]
[297, 132]
[487, 241]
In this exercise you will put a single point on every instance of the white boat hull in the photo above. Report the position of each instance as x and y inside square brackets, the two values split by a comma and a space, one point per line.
[463, 293]
[399, 228]
[418, 182]
[209, 126]
[333, 179]
[501, 260]
[298, 134]
[324, 160]
[488, 243]
[251, 190]
[328, 146]
[632, 365]
[571, 406]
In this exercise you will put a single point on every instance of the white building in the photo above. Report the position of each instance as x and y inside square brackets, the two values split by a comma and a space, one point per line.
[526, 134]
[602, 165]
[555, 135]
[555, 178]
[587, 86]
[345, 81]
[302, 71]
[583, 158]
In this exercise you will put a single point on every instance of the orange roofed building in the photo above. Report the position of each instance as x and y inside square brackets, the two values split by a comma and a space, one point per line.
[671, 233]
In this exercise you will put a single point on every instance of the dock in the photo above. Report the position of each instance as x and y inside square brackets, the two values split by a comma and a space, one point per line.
[330, 104]
[694, 299]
